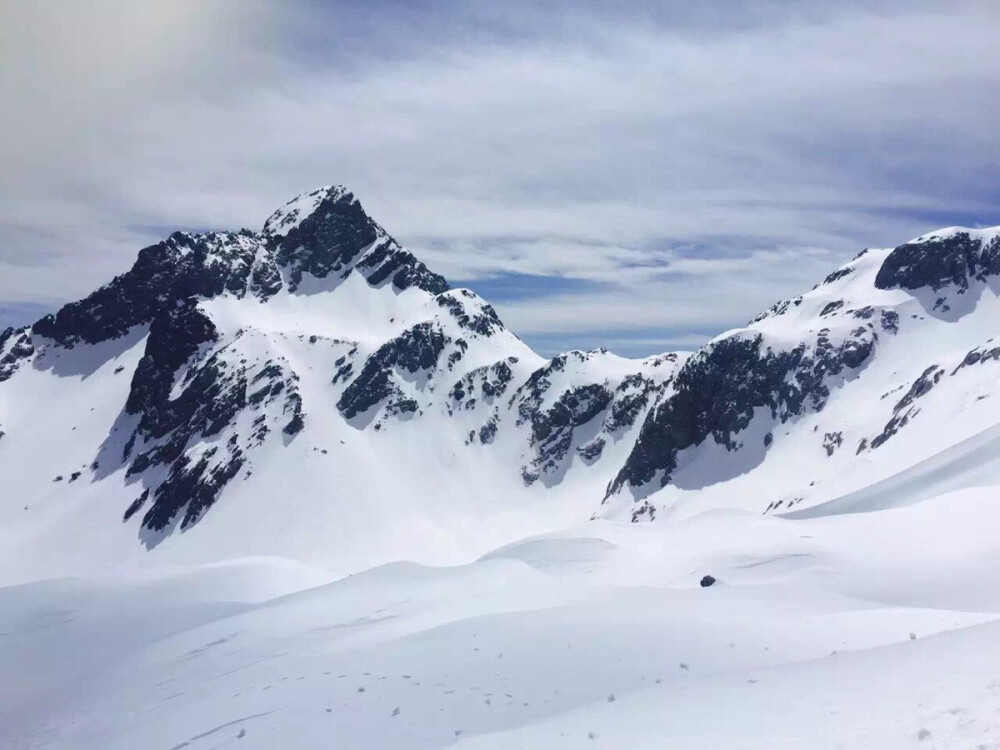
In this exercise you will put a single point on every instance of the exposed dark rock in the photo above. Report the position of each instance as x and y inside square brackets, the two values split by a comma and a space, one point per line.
[174, 337]
[938, 262]
[196, 484]
[416, 349]
[197, 409]
[707, 581]
[979, 356]
[490, 380]
[717, 390]
[831, 307]
[488, 431]
[336, 236]
[591, 451]
[326, 241]
[832, 441]
[838, 274]
[296, 423]
[921, 386]
[631, 396]
[573, 408]
[214, 390]
[345, 368]
[904, 410]
[856, 350]
[777, 309]
[179, 268]
[890, 321]
[136, 505]
[458, 302]
[644, 511]
[552, 428]
[406, 271]
[401, 406]
[15, 347]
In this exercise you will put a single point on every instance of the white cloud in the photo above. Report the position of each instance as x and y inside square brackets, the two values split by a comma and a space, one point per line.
[708, 295]
[746, 158]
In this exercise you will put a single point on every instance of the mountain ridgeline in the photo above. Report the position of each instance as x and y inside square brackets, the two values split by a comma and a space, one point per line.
[320, 335]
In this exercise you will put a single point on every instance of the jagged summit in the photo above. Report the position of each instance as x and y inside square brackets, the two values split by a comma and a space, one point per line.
[313, 384]
[320, 235]
[298, 209]
[327, 232]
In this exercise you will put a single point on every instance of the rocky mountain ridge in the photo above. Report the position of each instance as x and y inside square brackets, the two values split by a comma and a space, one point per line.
[238, 345]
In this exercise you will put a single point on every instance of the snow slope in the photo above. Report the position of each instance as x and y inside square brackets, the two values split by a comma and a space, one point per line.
[288, 487]
[868, 630]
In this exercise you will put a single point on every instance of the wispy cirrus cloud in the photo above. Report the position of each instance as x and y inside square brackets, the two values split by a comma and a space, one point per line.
[657, 173]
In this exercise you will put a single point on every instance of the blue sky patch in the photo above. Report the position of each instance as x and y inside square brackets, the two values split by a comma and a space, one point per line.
[521, 286]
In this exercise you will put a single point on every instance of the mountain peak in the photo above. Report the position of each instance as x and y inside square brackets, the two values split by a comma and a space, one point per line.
[325, 232]
[319, 237]
[291, 215]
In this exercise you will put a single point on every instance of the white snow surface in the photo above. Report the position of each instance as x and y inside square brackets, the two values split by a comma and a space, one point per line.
[404, 588]
[873, 630]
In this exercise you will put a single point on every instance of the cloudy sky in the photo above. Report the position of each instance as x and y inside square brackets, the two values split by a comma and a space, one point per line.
[636, 175]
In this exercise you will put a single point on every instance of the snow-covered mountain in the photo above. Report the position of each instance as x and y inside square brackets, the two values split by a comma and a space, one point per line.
[314, 390]
[882, 367]
[311, 390]
[213, 468]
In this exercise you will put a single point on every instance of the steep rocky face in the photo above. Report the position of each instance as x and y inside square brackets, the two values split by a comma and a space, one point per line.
[554, 421]
[940, 260]
[415, 352]
[552, 429]
[181, 267]
[718, 390]
[186, 398]
[327, 233]
[574, 405]
[638, 390]
[401, 376]
[790, 359]
[323, 239]
[15, 347]
[174, 337]
[483, 385]
[469, 312]
[203, 437]
[324, 233]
